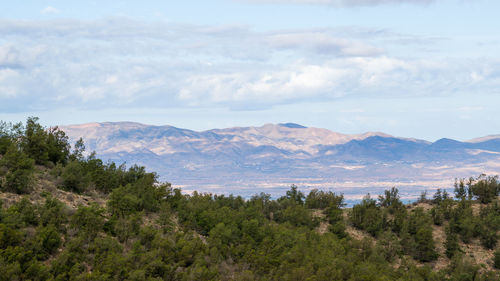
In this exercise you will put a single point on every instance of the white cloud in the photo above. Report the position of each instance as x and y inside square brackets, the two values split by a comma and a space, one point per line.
[122, 63]
[322, 42]
[50, 10]
[7, 88]
[17, 55]
[342, 77]
[296, 82]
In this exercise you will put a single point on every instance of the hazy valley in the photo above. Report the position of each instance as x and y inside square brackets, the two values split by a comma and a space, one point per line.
[247, 160]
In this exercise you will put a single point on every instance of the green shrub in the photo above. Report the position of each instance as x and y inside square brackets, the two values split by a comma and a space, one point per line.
[9, 236]
[18, 171]
[88, 221]
[23, 213]
[48, 241]
[319, 199]
[53, 212]
[368, 216]
[486, 188]
[74, 177]
[496, 259]
[451, 244]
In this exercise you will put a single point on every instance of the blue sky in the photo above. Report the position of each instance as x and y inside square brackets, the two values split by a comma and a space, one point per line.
[414, 68]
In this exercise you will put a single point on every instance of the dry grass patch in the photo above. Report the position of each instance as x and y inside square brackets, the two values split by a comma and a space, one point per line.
[323, 224]
[482, 256]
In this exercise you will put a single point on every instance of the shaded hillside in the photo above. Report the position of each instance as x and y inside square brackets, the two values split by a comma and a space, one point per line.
[377, 148]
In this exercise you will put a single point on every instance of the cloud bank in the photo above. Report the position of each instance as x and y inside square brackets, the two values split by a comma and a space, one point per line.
[124, 63]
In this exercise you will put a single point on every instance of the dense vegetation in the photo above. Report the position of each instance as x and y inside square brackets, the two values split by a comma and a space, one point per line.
[146, 230]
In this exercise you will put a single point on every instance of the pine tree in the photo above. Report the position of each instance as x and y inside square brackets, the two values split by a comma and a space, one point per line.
[438, 197]
[451, 244]
[460, 192]
[425, 244]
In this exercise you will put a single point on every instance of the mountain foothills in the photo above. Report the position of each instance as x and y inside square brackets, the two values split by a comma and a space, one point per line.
[67, 215]
[272, 157]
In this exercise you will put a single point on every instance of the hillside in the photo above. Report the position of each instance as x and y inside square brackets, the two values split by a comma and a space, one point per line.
[272, 157]
[65, 216]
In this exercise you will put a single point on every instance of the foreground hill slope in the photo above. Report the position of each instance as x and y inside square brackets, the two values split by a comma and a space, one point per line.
[64, 216]
[272, 157]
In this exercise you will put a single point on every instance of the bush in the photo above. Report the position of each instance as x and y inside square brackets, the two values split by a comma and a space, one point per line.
[451, 244]
[48, 240]
[496, 259]
[336, 220]
[368, 216]
[489, 238]
[391, 200]
[293, 196]
[57, 146]
[53, 212]
[297, 215]
[9, 236]
[486, 188]
[23, 213]
[5, 143]
[88, 221]
[425, 251]
[322, 200]
[74, 177]
[18, 171]
[105, 177]
[144, 194]
[437, 216]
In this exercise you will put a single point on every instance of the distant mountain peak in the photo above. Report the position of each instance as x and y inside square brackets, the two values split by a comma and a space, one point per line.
[292, 125]
[270, 156]
[483, 139]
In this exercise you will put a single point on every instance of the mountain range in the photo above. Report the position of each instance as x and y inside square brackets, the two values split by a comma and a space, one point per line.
[249, 160]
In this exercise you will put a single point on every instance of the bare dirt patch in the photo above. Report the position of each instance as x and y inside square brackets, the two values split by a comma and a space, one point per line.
[482, 256]
[43, 184]
[323, 224]
[439, 236]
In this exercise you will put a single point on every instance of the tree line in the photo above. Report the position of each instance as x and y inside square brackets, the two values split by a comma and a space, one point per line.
[148, 230]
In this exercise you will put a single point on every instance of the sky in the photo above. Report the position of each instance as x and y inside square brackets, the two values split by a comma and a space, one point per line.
[415, 68]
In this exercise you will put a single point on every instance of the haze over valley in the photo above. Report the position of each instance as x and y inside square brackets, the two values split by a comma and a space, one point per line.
[270, 158]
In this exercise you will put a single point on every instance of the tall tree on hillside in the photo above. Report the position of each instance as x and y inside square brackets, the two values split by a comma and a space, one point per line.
[57, 145]
[294, 195]
[426, 250]
[460, 190]
[452, 246]
[486, 188]
[390, 200]
[35, 141]
[78, 150]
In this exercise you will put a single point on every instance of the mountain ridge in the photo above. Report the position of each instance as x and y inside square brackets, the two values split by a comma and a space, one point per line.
[272, 156]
